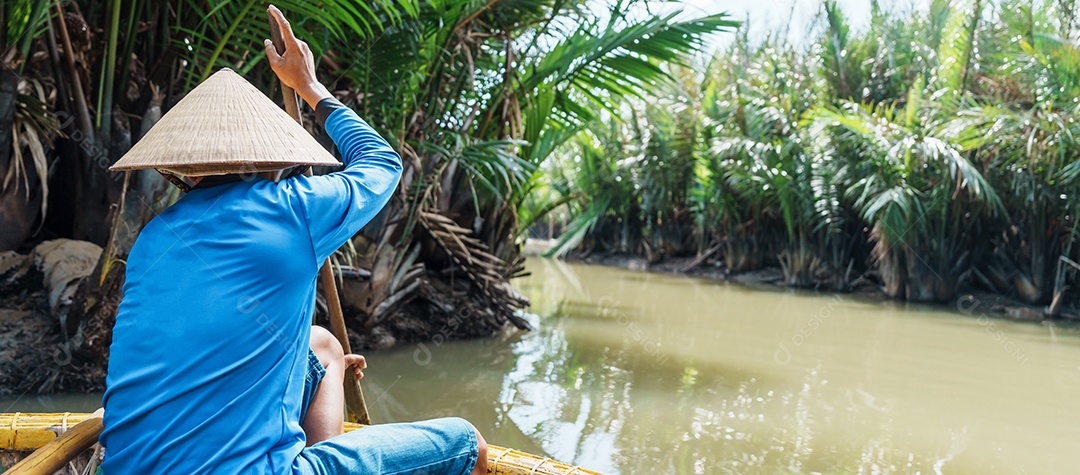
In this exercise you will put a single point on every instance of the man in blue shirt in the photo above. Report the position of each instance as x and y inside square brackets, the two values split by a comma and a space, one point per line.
[214, 366]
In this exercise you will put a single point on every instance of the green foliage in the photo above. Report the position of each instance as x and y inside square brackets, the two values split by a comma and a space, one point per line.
[230, 33]
[602, 191]
[24, 21]
[931, 151]
[475, 95]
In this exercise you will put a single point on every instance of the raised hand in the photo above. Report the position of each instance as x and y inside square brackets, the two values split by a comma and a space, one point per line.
[296, 67]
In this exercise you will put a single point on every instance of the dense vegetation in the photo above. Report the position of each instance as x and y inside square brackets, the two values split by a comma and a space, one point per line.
[474, 94]
[932, 152]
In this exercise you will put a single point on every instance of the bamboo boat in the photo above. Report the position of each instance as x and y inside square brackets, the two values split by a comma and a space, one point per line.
[21, 434]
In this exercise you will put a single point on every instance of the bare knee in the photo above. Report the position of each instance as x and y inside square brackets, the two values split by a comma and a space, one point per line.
[326, 346]
[481, 466]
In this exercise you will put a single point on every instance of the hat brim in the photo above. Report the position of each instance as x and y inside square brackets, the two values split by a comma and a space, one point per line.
[225, 125]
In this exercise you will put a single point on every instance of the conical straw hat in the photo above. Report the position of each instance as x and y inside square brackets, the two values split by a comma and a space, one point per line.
[225, 125]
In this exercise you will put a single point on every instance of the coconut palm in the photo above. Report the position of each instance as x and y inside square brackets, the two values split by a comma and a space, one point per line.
[910, 179]
[26, 125]
[1025, 127]
[475, 96]
[765, 161]
[81, 81]
[917, 189]
[934, 149]
[476, 109]
[665, 168]
[605, 201]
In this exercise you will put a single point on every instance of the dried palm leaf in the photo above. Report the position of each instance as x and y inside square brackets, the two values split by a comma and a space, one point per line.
[488, 273]
[32, 128]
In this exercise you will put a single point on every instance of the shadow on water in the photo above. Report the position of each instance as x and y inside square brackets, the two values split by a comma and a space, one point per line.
[646, 373]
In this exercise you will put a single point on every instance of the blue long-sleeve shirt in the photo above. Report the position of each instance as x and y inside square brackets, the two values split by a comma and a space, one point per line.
[210, 344]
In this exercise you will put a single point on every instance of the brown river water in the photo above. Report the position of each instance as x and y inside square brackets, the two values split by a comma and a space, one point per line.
[639, 373]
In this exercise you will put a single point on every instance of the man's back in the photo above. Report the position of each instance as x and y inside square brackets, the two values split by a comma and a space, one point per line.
[209, 349]
[218, 287]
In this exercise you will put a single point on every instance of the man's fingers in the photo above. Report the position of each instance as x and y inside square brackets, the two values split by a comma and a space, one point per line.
[357, 363]
[283, 24]
[271, 52]
[356, 360]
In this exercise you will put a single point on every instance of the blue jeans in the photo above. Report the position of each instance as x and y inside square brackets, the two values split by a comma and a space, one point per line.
[314, 376]
[438, 446]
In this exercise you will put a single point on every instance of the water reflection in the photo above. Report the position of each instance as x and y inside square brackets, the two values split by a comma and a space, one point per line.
[642, 373]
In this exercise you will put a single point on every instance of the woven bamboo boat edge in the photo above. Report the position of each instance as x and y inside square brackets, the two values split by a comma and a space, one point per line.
[21, 432]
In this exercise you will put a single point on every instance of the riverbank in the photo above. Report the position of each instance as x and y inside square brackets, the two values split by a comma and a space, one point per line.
[34, 358]
[977, 303]
[36, 292]
[38, 288]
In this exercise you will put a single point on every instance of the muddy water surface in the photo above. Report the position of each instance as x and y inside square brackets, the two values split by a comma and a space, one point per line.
[644, 373]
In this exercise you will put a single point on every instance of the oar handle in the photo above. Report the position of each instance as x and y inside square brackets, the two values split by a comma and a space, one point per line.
[292, 104]
[354, 396]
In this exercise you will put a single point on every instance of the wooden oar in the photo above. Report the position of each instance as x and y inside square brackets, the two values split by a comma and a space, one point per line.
[354, 397]
[56, 453]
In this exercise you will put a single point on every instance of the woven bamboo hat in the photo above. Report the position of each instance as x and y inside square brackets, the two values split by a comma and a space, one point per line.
[225, 125]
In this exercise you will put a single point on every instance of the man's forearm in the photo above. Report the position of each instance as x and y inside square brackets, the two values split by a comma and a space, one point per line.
[313, 93]
[361, 147]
